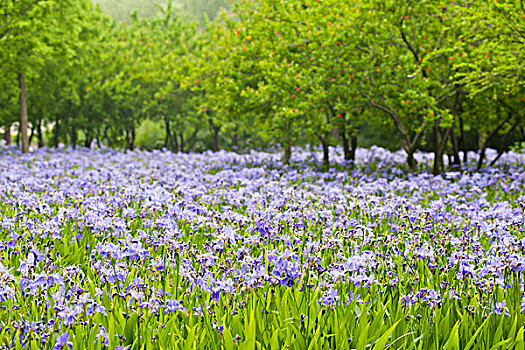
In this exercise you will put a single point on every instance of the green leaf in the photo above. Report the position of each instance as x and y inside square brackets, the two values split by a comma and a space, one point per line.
[453, 340]
[249, 330]
[190, 339]
[473, 338]
[381, 342]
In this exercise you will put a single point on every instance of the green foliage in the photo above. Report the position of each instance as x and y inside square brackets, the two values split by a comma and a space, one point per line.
[292, 70]
[121, 10]
[150, 135]
[402, 74]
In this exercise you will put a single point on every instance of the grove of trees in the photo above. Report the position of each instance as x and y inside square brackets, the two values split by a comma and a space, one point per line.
[443, 76]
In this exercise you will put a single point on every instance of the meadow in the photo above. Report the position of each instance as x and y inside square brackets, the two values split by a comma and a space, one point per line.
[156, 250]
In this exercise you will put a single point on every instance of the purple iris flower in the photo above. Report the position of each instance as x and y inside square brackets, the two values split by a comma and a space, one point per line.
[501, 308]
[62, 341]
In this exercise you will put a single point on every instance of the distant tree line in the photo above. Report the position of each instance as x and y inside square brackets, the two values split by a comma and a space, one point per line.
[121, 9]
[444, 77]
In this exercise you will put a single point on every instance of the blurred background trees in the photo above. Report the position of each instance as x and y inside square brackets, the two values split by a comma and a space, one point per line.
[188, 76]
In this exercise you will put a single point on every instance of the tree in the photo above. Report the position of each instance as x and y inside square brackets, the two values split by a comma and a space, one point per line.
[279, 67]
[492, 71]
[33, 32]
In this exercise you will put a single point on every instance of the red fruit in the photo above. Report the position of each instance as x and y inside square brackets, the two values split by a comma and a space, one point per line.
[339, 116]
[298, 89]
[293, 96]
[428, 69]
[415, 108]
[371, 101]
[431, 114]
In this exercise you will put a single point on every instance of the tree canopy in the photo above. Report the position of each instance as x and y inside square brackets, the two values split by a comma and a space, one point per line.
[445, 77]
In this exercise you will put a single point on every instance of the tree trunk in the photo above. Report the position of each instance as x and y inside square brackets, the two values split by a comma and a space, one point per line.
[126, 134]
[411, 161]
[32, 133]
[23, 113]
[483, 141]
[216, 138]
[456, 161]
[344, 139]
[503, 145]
[40, 134]
[174, 142]
[57, 131]
[353, 143]
[181, 141]
[88, 139]
[481, 158]
[463, 141]
[287, 153]
[132, 136]
[74, 136]
[97, 137]
[18, 136]
[88, 134]
[326, 152]
[168, 132]
[438, 155]
[7, 134]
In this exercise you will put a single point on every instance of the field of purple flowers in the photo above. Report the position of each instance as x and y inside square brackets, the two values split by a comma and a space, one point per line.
[155, 250]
